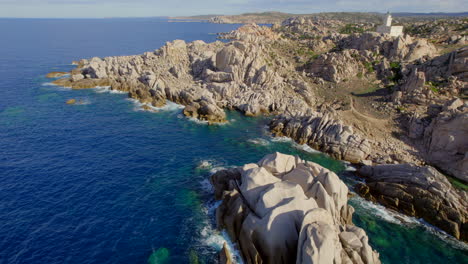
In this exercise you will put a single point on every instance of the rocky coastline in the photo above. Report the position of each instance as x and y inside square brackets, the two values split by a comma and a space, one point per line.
[421, 192]
[309, 77]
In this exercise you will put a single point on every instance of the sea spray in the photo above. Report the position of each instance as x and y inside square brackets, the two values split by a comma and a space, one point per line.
[107, 89]
[169, 106]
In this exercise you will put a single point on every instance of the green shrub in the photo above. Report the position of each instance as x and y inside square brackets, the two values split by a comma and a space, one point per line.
[395, 65]
[351, 28]
[369, 67]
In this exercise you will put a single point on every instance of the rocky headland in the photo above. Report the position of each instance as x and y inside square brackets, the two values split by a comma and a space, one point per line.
[367, 98]
[286, 210]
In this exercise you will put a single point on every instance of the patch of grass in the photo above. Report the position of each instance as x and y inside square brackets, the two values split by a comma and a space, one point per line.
[360, 75]
[369, 67]
[459, 184]
[401, 109]
[367, 90]
[433, 86]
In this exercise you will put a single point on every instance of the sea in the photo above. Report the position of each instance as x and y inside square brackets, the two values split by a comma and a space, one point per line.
[104, 181]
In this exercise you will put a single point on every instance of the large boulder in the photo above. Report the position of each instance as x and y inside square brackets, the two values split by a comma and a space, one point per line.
[447, 142]
[286, 210]
[205, 110]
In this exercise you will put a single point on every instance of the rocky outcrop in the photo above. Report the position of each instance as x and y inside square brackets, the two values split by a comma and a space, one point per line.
[220, 20]
[225, 255]
[359, 54]
[420, 192]
[402, 48]
[286, 210]
[446, 141]
[442, 125]
[323, 133]
[207, 78]
[251, 32]
[232, 75]
[56, 74]
[339, 66]
[435, 79]
[450, 65]
[206, 111]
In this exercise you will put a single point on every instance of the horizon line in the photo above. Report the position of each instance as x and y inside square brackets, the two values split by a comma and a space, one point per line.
[188, 16]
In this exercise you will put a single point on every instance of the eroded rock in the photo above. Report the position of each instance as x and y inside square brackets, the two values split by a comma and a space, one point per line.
[286, 210]
[420, 192]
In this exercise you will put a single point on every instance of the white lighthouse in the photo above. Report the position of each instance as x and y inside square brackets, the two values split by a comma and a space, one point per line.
[387, 27]
[388, 20]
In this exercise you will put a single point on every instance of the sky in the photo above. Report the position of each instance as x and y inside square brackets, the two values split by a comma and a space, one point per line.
[149, 8]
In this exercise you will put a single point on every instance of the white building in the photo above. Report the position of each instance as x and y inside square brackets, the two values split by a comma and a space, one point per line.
[387, 27]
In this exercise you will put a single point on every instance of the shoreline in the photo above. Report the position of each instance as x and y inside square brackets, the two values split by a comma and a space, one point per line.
[207, 78]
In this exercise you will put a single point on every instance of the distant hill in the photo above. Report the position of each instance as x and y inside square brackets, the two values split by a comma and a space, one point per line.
[349, 17]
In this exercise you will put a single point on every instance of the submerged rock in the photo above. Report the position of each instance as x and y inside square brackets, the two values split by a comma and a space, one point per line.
[420, 192]
[286, 210]
[56, 74]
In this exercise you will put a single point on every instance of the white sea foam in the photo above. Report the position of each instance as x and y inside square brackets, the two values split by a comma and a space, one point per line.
[204, 122]
[306, 148]
[55, 86]
[383, 213]
[215, 239]
[398, 218]
[169, 106]
[443, 235]
[205, 164]
[259, 141]
[49, 84]
[107, 89]
[349, 166]
[281, 139]
[198, 121]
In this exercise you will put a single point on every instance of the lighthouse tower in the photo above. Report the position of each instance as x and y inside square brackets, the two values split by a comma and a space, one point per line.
[387, 27]
[388, 20]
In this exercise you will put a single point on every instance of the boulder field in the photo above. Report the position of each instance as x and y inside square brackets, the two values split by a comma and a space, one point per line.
[287, 210]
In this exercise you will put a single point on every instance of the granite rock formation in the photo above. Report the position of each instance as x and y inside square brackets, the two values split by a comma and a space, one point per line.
[286, 210]
[420, 192]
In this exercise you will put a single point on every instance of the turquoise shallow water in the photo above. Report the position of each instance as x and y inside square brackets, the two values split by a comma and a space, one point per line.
[103, 182]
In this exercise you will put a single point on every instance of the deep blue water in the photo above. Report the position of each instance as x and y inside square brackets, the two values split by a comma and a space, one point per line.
[104, 182]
